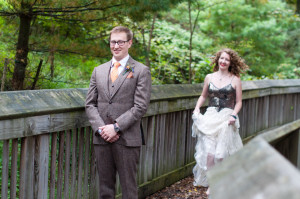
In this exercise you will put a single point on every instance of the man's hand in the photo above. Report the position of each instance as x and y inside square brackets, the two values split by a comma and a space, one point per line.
[108, 133]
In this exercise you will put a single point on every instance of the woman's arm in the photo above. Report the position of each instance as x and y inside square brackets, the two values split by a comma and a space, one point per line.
[238, 88]
[203, 95]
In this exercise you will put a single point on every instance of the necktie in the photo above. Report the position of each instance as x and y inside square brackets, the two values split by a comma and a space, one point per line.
[114, 71]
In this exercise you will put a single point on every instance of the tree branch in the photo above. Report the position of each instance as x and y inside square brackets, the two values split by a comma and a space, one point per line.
[74, 7]
[67, 10]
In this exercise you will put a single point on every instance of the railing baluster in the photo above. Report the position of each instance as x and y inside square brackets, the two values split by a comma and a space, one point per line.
[5, 160]
[67, 164]
[80, 163]
[60, 164]
[74, 163]
[14, 168]
[53, 165]
[41, 166]
[86, 161]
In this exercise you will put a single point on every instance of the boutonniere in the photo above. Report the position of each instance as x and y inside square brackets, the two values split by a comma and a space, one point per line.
[129, 69]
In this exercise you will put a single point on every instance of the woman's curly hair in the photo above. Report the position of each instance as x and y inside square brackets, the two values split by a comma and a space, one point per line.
[237, 64]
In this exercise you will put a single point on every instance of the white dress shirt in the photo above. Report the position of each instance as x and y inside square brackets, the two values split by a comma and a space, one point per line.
[122, 62]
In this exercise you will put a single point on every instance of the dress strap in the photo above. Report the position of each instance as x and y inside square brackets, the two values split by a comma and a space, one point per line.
[212, 77]
[232, 79]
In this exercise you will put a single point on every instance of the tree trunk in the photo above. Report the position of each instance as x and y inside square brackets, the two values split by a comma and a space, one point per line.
[51, 63]
[149, 42]
[22, 51]
[37, 75]
[191, 42]
[4, 74]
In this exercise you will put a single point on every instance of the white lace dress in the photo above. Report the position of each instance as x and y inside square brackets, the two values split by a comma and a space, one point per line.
[214, 136]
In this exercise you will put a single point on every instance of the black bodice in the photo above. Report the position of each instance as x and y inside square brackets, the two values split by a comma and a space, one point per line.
[221, 97]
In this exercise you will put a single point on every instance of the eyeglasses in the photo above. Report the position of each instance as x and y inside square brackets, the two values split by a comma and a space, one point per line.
[120, 42]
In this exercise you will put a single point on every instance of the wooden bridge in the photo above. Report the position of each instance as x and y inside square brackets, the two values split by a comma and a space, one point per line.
[46, 149]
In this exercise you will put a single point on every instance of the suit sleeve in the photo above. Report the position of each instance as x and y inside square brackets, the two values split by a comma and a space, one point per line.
[91, 108]
[141, 101]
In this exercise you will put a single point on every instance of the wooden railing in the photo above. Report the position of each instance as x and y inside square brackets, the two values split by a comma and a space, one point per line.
[46, 138]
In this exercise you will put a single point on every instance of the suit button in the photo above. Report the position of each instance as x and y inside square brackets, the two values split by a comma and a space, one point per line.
[110, 102]
[112, 86]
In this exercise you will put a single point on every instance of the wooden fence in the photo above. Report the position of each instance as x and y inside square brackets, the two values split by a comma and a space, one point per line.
[46, 138]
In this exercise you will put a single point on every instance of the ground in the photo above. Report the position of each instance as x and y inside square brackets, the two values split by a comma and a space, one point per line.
[182, 189]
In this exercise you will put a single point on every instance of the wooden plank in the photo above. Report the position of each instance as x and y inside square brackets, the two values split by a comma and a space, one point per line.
[41, 166]
[53, 165]
[279, 180]
[181, 133]
[27, 168]
[60, 164]
[34, 103]
[288, 108]
[155, 149]
[93, 188]
[276, 133]
[288, 147]
[298, 150]
[172, 140]
[150, 135]
[5, 160]
[297, 109]
[191, 142]
[36, 125]
[161, 135]
[67, 163]
[74, 163]
[86, 161]
[80, 163]
[14, 169]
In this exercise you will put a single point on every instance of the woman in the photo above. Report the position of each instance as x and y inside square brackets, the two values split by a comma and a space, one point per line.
[217, 130]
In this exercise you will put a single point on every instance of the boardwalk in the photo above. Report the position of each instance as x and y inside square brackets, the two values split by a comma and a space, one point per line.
[47, 150]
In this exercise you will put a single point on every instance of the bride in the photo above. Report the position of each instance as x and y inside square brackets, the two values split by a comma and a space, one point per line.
[217, 131]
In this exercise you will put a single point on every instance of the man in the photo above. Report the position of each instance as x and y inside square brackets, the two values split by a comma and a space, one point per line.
[117, 98]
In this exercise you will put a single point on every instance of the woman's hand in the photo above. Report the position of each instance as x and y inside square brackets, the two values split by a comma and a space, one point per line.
[196, 110]
[231, 120]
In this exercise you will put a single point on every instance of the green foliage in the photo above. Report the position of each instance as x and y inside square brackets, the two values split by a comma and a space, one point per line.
[170, 55]
[265, 33]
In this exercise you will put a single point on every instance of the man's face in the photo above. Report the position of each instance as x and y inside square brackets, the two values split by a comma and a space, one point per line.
[119, 50]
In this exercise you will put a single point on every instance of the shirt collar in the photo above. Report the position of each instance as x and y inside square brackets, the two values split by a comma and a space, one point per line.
[122, 61]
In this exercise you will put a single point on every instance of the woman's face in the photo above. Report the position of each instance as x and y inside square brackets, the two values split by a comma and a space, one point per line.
[224, 61]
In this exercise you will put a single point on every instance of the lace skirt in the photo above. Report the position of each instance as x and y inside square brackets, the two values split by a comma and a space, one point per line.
[214, 138]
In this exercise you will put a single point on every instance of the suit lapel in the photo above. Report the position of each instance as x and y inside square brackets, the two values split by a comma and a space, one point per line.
[105, 77]
[123, 76]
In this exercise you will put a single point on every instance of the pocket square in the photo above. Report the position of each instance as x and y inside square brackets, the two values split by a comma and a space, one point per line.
[130, 75]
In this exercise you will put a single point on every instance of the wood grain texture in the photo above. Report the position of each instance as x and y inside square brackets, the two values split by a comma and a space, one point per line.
[5, 169]
[41, 166]
[270, 110]
[256, 171]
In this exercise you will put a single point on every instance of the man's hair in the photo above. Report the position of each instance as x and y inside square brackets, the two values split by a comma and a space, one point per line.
[119, 29]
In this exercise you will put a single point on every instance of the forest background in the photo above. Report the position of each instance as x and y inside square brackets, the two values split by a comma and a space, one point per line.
[51, 44]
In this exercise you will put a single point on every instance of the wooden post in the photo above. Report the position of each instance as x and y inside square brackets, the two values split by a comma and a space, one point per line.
[298, 150]
[37, 75]
[4, 74]
[5, 168]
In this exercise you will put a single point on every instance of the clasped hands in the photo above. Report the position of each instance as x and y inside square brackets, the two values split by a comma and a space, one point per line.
[108, 133]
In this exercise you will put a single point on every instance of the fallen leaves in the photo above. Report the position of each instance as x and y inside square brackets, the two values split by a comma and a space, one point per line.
[183, 189]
